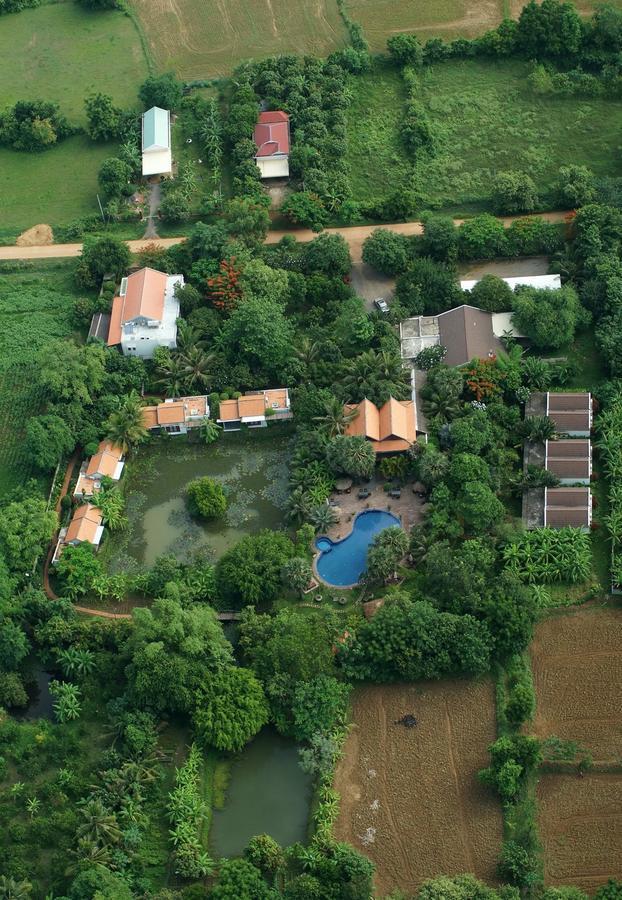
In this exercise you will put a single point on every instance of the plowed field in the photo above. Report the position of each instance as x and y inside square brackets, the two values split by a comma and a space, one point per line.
[410, 798]
[577, 667]
[580, 821]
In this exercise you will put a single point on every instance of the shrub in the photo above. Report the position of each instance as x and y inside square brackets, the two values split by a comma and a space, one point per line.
[492, 294]
[386, 251]
[514, 192]
[163, 90]
[206, 498]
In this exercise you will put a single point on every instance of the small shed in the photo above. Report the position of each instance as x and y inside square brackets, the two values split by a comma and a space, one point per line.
[156, 142]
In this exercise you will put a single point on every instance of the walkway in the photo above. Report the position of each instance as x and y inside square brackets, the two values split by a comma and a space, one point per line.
[48, 559]
[155, 196]
[355, 236]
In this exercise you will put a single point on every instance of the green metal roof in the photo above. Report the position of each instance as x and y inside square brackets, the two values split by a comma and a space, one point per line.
[155, 129]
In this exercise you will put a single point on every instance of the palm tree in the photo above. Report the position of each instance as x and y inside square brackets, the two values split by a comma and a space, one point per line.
[441, 406]
[188, 337]
[210, 430]
[172, 376]
[539, 429]
[76, 661]
[10, 889]
[298, 506]
[126, 427]
[88, 854]
[111, 504]
[308, 352]
[377, 376]
[196, 368]
[322, 518]
[98, 823]
[336, 417]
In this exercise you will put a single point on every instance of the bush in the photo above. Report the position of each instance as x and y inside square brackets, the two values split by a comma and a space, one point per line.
[386, 251]
[206, 498]
[405, 49]
[492, 294]
[164, 91]
[514, 192]
[482, 237]
[33, 125]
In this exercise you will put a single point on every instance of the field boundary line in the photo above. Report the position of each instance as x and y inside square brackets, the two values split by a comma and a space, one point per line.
[131, 13]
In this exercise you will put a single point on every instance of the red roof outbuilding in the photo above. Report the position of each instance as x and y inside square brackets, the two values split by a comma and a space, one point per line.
[272, 133]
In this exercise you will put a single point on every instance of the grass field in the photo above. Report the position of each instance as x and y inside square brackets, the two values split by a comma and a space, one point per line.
[62, 52]
[577, 668]
[485, 121]
[201, 40]
[35, 308]
[410, 798]
[580, 823]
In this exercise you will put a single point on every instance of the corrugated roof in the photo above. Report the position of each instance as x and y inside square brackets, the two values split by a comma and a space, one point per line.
[156, 132]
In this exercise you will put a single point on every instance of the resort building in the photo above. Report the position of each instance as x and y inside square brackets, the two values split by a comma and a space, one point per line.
[156, 142]
[567, 507]
[392, 428]
[85, 525]
[144, 315]
[255, 409]
[271, 136]
[570, 460]
[176, 416]
[108, 462]
[466, 332]
[571, 413]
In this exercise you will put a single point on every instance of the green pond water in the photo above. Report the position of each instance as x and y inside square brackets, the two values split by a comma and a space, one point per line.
[268, 794]
[252, 468]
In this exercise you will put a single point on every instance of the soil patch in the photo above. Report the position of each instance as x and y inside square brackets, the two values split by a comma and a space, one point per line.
[580, 822]
[410, 798]
[36, 236]
[577, 667]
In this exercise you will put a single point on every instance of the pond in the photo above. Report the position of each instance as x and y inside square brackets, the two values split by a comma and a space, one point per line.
[252, 469]
[341, 563]
[40, 701]
[268, 793]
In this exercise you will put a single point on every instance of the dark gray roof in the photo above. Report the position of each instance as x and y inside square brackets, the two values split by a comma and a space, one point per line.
[466, 332]
[100, 326]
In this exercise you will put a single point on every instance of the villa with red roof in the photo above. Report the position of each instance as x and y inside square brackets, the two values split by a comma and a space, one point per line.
[176, 416]
[144, 315]
[255, 409]
[108, 462]
[272, 139]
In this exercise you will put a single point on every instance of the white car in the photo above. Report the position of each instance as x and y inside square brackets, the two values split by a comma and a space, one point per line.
[381, 305]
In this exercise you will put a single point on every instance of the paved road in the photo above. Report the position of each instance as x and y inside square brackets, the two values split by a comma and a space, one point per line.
[355, 236]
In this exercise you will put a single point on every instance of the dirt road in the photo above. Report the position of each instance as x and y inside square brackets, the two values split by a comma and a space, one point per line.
[355, 236]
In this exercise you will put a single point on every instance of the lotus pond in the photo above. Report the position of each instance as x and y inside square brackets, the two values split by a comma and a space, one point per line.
[253, 470]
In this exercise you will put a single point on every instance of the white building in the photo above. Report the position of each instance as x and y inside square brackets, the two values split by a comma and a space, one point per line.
[144, 315]
[156, 142]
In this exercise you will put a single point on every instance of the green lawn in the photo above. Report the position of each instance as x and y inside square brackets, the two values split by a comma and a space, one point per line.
[62, 52]
[36, 302]
[485, 121]
[54, 187]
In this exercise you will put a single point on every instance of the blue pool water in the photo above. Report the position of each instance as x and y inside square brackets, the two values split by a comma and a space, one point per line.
[342, 563]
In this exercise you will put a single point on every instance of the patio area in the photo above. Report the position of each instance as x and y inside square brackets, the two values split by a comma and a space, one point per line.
[408, 506]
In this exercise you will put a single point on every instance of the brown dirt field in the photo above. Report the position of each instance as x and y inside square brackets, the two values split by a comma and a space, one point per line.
[36, 236]
[577, 668]
[410, 798]
[580, 822]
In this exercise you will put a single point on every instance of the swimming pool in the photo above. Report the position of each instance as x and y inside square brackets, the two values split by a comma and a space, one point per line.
[341, 563]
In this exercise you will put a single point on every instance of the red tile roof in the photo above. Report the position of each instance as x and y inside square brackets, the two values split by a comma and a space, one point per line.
[144, 296]
[390, 429]
[272, 133]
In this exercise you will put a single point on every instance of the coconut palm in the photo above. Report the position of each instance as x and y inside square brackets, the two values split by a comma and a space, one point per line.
[307, 352]
[375, 375]
[197, 369]
[188, 337]
[111, 504]
[126, 427]
[322, 518]
[98, 823]
[172, 376]
[441, 406]
[88, 854]
[336, 417]
[298, 506]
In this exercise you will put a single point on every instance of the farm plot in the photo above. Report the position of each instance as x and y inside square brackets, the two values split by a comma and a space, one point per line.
[200, 40]
[580, 823]
[577, 668]
[485, 121]
[410, 798]
[35, 308]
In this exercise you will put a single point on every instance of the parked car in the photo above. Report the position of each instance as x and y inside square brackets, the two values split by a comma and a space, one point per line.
[381, 305]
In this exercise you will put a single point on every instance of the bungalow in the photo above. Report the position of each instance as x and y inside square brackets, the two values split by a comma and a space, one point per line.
[570, 460]
[571, 413]
[568, 507]
[108, 462]
[392, 428]
[176, 416]
[271, 136]
[144, 315]
[86, 525]
[255, 409]
[156, 142]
